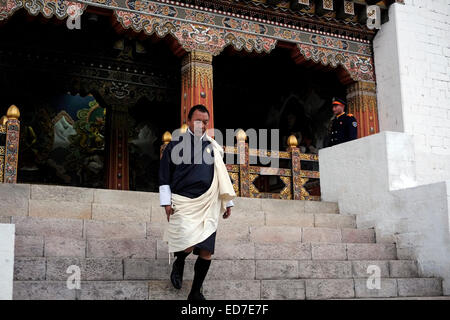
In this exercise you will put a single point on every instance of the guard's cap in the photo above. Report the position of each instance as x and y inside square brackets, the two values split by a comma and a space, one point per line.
[336, 100]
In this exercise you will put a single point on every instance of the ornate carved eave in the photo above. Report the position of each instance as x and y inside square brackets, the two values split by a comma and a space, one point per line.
[211, 30]
[285, 15]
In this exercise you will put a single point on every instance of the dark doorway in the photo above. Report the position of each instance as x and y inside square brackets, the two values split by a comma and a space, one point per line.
[269, 91]
[66, 81]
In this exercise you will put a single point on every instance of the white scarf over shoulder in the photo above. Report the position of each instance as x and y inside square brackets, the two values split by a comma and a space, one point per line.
[194, 220]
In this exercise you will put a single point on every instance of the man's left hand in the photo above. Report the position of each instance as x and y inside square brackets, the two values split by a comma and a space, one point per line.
[227, 213]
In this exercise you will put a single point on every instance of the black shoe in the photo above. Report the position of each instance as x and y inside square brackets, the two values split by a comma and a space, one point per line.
[176, 277]
[196, 296]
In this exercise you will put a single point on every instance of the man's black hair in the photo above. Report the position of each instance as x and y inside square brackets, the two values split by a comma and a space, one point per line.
[198, 107]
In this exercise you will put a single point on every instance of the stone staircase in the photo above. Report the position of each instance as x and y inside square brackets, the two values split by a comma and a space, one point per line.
[267, 249]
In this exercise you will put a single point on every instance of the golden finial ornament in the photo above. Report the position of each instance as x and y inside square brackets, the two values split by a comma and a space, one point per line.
[13, 112]
[3, 120]
[167, 137]
[240, 135]
[183, 128]
[292, 141]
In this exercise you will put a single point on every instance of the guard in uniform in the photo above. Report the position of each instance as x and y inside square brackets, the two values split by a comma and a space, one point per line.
[343, 126]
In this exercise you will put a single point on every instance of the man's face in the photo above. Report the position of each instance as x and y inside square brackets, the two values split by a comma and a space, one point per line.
[199, 122]
[338, 109]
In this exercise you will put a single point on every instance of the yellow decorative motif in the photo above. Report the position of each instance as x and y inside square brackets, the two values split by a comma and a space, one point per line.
[3, 120]
[2, 163]
[312, 157]
[286, 192]
[240, 135]
[253, 189]
[184, 128]
[230, 149]
[13, 112]
[197, 65]
[292, 141]
[167, 137]
[235, 177]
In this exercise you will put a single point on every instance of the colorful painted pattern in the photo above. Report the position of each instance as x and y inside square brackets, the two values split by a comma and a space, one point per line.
[50, 8]
[211, 30]
[266, 153]
[362, 103]
[196, 83]
[244, 175]
[2, 162]
[2, 150]
[270, 171]
[197, 29]
[11, 150]
[193, 36]
[8, 7]
[359, 67]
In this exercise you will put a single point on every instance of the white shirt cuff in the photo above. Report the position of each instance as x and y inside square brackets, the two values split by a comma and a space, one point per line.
[165, 195]
[230, 204]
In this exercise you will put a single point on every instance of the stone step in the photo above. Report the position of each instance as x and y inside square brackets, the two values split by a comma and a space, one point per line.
[79, 229]
[54, 268]
[51, 246]
[343, 229]
[41, 245]
[30, 231]
[100, 204]
[325, 251]
[55, 246]
[298, 289]
[138, 213]
[286, 206]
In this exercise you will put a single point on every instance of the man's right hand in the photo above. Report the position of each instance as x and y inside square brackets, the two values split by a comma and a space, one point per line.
[169, 211]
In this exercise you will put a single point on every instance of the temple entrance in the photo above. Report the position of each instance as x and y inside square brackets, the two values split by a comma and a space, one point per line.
[78, 91]
[145, 140]
[271, 91]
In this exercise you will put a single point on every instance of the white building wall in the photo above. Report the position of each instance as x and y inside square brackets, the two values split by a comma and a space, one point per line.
[412, 65]
[7, 232]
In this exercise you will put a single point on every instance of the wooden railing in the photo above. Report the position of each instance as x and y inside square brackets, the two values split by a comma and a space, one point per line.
[9, 145]
[294, 178]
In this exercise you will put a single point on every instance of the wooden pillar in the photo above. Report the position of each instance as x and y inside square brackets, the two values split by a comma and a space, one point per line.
[3, 122]
[117, 173]
[11, 157]
[243, 155]
[362, 103]
[197, 84]
[296, 180]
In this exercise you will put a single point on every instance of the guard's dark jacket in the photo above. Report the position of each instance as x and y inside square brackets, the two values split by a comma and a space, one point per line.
[188, 179]
[343, 128]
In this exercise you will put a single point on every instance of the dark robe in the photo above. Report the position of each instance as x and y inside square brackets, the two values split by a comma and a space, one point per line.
[189, 179]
